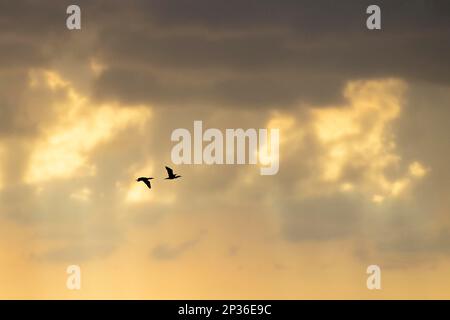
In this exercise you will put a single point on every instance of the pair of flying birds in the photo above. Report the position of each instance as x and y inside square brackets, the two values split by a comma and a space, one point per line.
[170, 175]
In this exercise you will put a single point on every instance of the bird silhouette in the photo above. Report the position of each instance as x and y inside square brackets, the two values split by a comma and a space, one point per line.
[171, 175]
[146, 181]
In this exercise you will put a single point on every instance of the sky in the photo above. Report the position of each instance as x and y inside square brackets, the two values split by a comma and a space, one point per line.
[364, 149]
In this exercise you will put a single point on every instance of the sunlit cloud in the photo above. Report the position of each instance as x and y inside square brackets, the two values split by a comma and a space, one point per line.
[353, 144]
[358, 135]
[138, 192]
[63, 150]
[291, 134]
[416, 169]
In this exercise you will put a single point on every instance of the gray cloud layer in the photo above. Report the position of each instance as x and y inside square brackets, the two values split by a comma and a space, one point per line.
[233, 53]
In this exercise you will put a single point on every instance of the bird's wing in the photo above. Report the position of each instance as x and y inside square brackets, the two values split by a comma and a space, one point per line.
[169, 171]
[147, 182]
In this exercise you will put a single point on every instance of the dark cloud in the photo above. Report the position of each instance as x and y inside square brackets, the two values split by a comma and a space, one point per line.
[201, 58]
[266, 53]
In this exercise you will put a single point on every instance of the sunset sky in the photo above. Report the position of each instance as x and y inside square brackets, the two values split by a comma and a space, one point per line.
[364, 149]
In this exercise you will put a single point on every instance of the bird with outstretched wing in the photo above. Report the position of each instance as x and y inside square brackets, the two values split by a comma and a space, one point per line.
[146, 181]
[171, 175]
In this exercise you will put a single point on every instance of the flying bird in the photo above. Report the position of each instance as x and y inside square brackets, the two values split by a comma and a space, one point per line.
[171, 175]
[146, 181]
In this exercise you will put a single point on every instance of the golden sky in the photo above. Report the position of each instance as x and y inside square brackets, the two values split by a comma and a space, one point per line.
[364, 150]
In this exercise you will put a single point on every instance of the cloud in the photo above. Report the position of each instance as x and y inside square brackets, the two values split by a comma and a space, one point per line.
[356, 140]
[83, 194]
[78, 129]
[352, 168]
[53, 178]
[75, 253]
[167, 252]
[251, 59]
